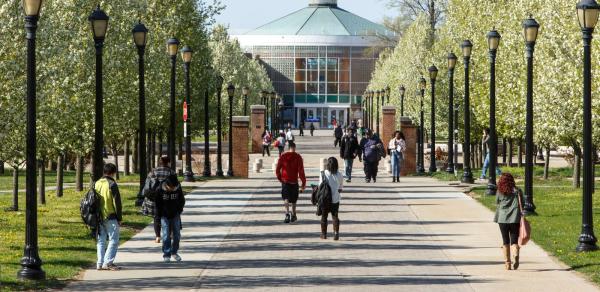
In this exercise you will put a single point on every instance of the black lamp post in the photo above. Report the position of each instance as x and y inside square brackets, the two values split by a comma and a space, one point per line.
[366, 115]
[467, 177]
[172, 50]
[245, 91]
[263, 101]
[377, 94]
[281, 109]
[140, 33]
[371, 95]
[587, 13]
[230, 94]
[432, 76]
[186, 55]
[530, 32]
[219, 171]
[451, 65]
[272, 115]
[493, 42]
[402, 92]
[387, 94]
[31, 264]
[421, 158]
[207, 170]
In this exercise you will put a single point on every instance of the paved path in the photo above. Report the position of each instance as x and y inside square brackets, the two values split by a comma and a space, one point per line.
[418, 235]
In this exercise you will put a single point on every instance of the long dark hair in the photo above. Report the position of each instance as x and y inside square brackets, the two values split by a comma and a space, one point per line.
[332, 165]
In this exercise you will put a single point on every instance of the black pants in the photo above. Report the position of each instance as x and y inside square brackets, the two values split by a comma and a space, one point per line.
[510, 233]
[157, 226]
[301, 132]
[337, 141]
[281, 148]
[371, 168]
[311, 132]
[266, 149]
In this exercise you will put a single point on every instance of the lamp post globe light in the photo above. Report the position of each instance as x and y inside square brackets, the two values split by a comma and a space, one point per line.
[140, 33]
[433, 71]
[230, 94]
[530, 32]
[467, 177]
[219, 171]
[186, 55]
[31, 263]
[493, 41]
[421, 157]
[207, 170]
[245, 92]
[587, 13]
[172, 50]
[402, 92]
[451, 65]
[99, 24]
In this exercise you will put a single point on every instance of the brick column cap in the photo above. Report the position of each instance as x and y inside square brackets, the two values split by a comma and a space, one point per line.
[240, 121]
[258, 108]
[388, 109]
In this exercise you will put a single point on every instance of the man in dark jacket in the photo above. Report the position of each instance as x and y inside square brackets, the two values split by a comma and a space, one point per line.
[337, 133]
[349, 149]
[169, 206]
[368, 146]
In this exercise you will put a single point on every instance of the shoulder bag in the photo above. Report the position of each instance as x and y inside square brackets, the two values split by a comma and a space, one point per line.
[525, 227]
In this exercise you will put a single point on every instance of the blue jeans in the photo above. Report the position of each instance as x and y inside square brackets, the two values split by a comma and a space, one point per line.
[486, 164]
[348, 163]
[106, 255]
[170, 246]
[396, 160]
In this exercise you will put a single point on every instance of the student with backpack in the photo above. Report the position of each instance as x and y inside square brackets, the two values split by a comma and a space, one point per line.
[330, 202]
[111, 216]
[169, 206]
[151, 189]
[280, 142]
[349, 150]
[266, 143]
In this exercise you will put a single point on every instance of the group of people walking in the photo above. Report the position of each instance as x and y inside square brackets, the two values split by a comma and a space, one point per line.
[278, 142]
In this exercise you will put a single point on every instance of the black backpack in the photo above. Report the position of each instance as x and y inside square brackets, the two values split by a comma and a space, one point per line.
[151, 187]
[90, 209]
[324, 196]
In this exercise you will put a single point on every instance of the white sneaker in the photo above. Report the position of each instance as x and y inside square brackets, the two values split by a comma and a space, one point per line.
[166, 259]
[177, 257]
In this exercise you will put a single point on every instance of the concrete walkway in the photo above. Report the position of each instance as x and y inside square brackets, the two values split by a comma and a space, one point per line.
[417, 235]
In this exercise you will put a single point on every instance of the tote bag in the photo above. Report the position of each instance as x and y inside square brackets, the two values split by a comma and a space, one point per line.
[524, 228]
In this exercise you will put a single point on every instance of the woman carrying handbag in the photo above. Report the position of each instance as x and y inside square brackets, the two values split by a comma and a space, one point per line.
[509, 217]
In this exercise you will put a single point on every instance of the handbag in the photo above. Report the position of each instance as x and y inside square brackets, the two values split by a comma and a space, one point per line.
[525, 227]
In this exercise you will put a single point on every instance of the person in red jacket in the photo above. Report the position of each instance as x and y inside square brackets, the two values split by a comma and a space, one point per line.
[289, 167]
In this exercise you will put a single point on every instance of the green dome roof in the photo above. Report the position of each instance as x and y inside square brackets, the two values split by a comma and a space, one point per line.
[322, 18]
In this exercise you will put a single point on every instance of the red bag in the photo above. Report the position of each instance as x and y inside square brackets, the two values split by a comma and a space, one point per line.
[276, 144]
[524, 228]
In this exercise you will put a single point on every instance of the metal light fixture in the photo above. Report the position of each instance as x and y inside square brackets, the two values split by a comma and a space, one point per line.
[172, 50]
[451, 65]
[493, 42]
[139, 33]
[433, 71]
[230, 94]
[467, 177]
[402, 92]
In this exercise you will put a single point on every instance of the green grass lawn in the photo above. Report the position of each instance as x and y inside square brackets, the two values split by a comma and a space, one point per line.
[65, 244]
[557, 226]
[6, 179]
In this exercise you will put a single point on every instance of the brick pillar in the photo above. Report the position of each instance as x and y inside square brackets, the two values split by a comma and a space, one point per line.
[240, 146]
[388, 124]
[410, 155]
[257, 126]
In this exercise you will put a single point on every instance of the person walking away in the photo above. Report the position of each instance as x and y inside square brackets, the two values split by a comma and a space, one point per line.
[160, 173]
[349, 149]
[334, 123]
[508, 216]
[397, 146]
[290, 168]
[337, 133]
[312, 129]
[112, 215]
[289, 136]
[301, 128]
[486, 162]
[266, 143]
[169, 205]
[336, 181]
[370, 156]
[281, 142]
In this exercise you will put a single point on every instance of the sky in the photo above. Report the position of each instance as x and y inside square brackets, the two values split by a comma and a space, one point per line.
[245, 15]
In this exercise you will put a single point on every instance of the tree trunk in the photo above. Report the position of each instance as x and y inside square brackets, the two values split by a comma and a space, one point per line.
[153, 149]
[79, 173]
[41, 183]
[15, 192]
[511, 150]
[1, 167]
[472, 155]
[115, 151]
[60, 164]
[431, 23]
[520, 154]
[547, 163]
[135, 154]
[504, 151]
[149, 151]
[160, 145]
[180, 157]
[126, 154]
[577, 168]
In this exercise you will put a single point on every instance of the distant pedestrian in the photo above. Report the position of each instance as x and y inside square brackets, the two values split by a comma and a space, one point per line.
[290, 168]
[280, 142]
[397, 146]
[112, 215]
[301, 128]
[337, 134]
[169, 204]
[353, 125]
[266, 143]
[486, 141]
[312, 129]
[349, 150]
[508, 216]
[370, 147]
[289, 136]
[334, 123]
[336, 181]
[161, 173]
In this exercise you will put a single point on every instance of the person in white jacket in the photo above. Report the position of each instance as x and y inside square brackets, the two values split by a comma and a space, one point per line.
[335, 180]
[397, 146]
